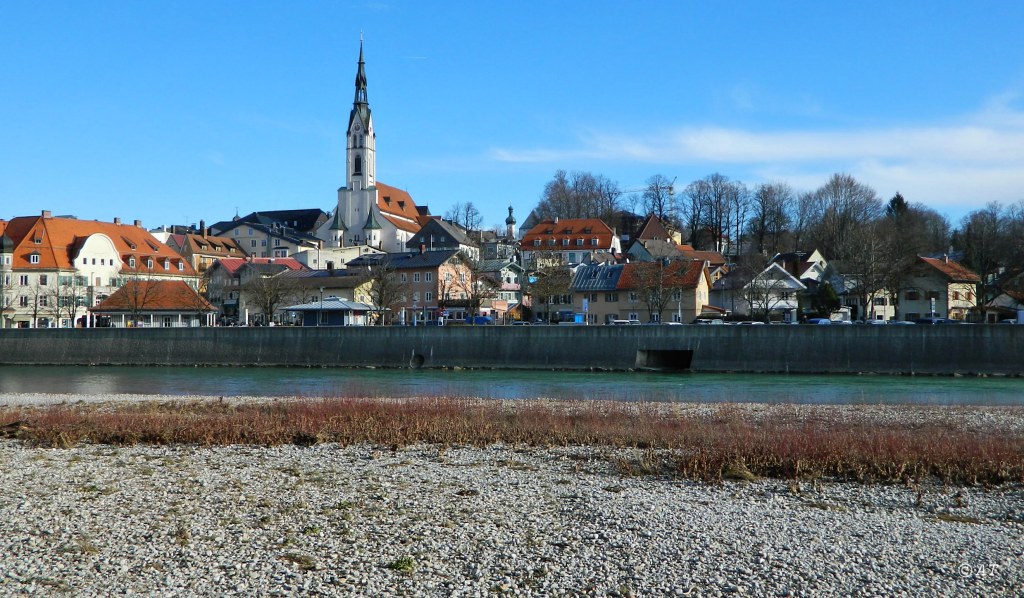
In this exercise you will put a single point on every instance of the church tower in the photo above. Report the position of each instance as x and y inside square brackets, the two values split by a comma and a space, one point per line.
[369, 212]
[360, 154]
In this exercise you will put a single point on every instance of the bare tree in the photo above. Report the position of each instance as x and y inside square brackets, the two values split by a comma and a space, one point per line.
[386, 290]
[476, 284]
[137, 287]
[66, 296]
[465, 215]
[268, 290]
[981, 239]
[548, 284]
[806, 213]
[771, 205]
[657, 198]
[762, 289]
[580, 195]
[697, 196]
[847, 206]
[657, 284]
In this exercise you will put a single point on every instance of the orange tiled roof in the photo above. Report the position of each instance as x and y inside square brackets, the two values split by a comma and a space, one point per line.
[57, 241]
[712, 257]
[952, 270]
[232, 264]
[154, 295]
[398, 207]
[214, 245]
[683, 274]
[568, 228]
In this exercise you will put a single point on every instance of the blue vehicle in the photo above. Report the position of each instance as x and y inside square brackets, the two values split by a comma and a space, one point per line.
[479, 320]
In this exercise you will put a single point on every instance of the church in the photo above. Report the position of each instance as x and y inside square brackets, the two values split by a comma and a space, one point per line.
[369, 213]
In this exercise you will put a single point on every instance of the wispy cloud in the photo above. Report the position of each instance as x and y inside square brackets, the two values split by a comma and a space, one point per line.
[977, 157]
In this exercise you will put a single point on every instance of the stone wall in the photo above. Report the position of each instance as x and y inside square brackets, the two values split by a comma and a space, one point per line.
[962, 349]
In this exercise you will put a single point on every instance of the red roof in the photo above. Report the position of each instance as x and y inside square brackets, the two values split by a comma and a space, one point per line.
[684, 274]
[955, 271]
[57, 240]
[711, 257]
[154, 295]
[398, 208]
[571, 229]
[232, 264]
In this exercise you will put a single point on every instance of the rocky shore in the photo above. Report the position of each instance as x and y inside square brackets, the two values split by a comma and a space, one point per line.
[458, 521]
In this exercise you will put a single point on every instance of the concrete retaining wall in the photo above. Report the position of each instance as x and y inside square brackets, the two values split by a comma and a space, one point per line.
[991, 349]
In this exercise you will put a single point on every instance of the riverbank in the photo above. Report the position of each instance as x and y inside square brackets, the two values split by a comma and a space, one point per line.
[326, 512]
[429, 520]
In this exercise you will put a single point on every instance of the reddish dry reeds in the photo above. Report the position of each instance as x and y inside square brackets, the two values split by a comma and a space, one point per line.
[717, 443]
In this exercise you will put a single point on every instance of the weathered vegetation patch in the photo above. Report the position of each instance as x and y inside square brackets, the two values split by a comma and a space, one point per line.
[718, 443]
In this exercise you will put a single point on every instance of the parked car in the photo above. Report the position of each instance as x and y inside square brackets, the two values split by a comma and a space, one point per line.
[819, 321]
[931, 321]
[901, 323]
[1009, 321]
[479, 320]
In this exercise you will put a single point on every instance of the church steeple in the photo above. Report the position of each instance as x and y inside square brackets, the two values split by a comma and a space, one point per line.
[360, 160]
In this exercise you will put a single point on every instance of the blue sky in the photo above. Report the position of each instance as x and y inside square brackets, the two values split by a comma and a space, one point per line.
[173, 112]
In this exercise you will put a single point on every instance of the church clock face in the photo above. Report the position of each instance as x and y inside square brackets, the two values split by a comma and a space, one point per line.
[358, 128]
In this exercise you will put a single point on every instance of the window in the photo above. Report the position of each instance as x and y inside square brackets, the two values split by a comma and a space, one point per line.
[551, 242]
[633, 316]
[357, 168]
[23, 301]
[93, 261]
[277, 242]
[593, 242]
[131, 262]
[593, 297]
[676, 317]
[250, 232]
[237, 232]
[913, 295]
[931, 295]
[44, 301]
[536, 242]
[956, 295]
[33, 259]
[632, 297]
[283, 253]
[415, 276]
[611, 297]
[572, 258]
[462, 277]
[252, 243]
[149, 262]
[655, 317]
[167, 264]
[402, 277]
[43, 280]
[447, 276]
[428, 276]
[879, 300]
[428, 296]
[181, 266]
[677, 295]
[263, 242]
[565, 242]
[579, 242]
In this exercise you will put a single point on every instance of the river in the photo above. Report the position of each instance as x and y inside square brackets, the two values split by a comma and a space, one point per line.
[506, 384]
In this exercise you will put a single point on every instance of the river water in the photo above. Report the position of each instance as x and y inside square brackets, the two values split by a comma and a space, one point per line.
[685, 387]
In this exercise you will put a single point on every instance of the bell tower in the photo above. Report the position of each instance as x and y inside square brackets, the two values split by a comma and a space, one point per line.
[361, 154]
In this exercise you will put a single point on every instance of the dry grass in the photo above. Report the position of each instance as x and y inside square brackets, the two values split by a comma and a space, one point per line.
[724, 442]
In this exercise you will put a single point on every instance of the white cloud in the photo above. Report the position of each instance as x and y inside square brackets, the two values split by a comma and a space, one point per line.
[966, 161]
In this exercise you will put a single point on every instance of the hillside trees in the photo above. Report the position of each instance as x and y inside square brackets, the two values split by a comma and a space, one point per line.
[580, 195]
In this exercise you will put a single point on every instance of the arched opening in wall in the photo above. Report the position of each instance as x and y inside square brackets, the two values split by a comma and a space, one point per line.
[416, 361]
[357, 168]
[664, 359]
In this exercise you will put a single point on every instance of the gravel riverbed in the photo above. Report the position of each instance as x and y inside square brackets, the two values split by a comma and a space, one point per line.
[458, 521]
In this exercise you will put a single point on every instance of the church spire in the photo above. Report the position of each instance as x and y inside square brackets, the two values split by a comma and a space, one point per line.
[361, 78]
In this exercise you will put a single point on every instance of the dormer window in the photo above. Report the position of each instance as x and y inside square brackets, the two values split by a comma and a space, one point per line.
[149, 262]
[33, 258]
[536, 242]
[387, 200]
[565, 242]
[579, 242]
[401, 205]
[551, 242]
[181, 266]
[131, 262]
[593, 242]
[167, 264]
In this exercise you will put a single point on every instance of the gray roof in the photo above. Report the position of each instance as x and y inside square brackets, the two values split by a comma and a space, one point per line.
[331, 304]
[371, 222]
[457, 234]
[597, 278]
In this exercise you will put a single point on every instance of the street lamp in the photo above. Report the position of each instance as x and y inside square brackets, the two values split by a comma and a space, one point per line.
[320, 312]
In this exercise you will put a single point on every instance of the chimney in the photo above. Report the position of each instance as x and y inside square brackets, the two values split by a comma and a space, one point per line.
[138, 223]
[202, 226]
[330, 267]
[945, 257]
[47, 214]
[117, 220]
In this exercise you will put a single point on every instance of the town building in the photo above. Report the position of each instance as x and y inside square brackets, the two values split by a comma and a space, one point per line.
[567, 242]
[155, 303]
[661, 291]
[938, 288]
[54, 268]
